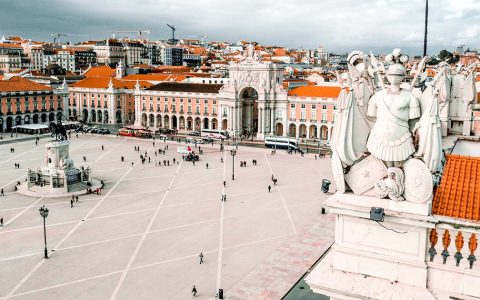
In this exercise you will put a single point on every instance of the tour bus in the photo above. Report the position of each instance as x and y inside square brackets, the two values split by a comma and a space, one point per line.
[281, 142]
[214, 133]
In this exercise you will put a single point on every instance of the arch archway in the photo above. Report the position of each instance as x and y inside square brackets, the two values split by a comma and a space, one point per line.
[9, 123]
[1, 125]
[151, 120]
[85, 115]
[214, 123]
[26, 119]
[18, 120]
[198, 124]
[189, 123]
[51, 117]
[69, 112]
[118, 116]
[224, 124]
[35, 119]
[159, 121]
[166, 122]
[43, 118]
[59, 115]
[182, 122]
[144, 120]
[174, 122]
[292, 130]
[74, 113]
[105, 116]
[279, 129]
[93, 116]
[324, 132]
[99, 116]
[249, 100]
[205, 123]
[312, 132]
[302, 131]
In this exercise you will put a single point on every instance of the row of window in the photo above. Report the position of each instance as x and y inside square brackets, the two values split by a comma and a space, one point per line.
[314, 106]
[181, 100]
[35, 106]
[173, 108]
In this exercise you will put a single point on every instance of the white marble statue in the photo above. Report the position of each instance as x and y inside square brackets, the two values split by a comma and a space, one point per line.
[391, 139]
[387, 122]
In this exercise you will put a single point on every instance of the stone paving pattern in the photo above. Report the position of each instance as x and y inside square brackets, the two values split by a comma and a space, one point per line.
[141, 238]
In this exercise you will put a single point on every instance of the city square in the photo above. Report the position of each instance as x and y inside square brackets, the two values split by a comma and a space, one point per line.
[142, 236]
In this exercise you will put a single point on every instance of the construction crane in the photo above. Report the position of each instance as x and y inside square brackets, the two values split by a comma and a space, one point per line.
[139, 32]
[57, 36]
[172, 41]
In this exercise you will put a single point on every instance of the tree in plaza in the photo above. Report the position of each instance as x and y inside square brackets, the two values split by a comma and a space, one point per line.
[445, 55]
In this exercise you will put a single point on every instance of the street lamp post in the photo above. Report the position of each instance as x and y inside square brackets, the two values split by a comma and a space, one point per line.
[233, 152]
[44, 213]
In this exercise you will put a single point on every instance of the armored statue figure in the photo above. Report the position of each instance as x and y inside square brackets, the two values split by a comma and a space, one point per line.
[391, 139]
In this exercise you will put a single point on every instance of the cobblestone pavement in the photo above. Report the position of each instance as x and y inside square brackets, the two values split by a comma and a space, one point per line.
[141, 238]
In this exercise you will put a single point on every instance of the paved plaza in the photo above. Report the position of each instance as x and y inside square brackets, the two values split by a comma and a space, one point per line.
[140, 239]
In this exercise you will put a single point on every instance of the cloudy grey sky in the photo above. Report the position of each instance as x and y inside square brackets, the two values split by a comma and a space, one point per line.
[337, 25]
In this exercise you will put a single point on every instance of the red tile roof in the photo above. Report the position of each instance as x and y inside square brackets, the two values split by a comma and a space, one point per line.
[458, 195]
[315, 91]
[156, 77]
[187, 87]
[103, 82]
[102, 71]
[20, 84]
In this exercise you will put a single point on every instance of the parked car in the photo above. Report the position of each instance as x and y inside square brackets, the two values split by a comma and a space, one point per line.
[194, 133]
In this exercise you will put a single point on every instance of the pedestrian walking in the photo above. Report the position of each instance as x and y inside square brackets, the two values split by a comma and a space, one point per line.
[269, 188]
[315, 157]
[122, 159]
[1, 222]
[194, 291]
[2, 193]
[273, 177]
[84, 158]
[132, 164]
[76, 199]
[71, 203]
[224, 183]
[201, 257]
[174, 160]
[149, 159]
[102, 148]
[36, 143]
[221, 160]
[207, 165]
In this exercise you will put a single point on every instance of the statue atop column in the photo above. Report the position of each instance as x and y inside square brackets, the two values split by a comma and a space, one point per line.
[387, 141]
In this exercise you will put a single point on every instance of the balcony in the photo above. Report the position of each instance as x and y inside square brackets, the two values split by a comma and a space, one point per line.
[182, 112]
[303, 120]
[323, 121]
[214, 114]
[313, 120]
[292, 119]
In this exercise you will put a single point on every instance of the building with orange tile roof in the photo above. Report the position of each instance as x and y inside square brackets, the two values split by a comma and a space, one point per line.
[23, 101]
[264, 106]
[104, 100]
[100, 71]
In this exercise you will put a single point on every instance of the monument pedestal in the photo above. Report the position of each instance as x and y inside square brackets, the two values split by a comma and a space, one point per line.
[58, 177]
[391, 251]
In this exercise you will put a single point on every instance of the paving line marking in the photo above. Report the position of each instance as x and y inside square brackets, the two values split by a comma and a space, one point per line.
[220, 235]
[23, 211]
[149, 265]
[284, 203]
[39, 264]
[142, 239]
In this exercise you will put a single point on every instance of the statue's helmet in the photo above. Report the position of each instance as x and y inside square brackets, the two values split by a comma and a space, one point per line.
[397, 70]
[355, 57]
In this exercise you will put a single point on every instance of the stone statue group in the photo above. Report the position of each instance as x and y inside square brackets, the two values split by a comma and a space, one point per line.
[387, 139]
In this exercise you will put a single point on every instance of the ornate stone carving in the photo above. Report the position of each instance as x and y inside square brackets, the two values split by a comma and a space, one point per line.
[364, 174]
[338, 174]
[392, 186]
[418, 181]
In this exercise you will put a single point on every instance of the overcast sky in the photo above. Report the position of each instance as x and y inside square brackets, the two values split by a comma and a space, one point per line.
[337, 25]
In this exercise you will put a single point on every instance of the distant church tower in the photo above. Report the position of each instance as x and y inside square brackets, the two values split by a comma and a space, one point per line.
[120, 71]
